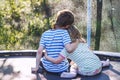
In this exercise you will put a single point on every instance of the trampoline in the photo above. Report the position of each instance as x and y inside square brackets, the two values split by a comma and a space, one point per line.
[16, 65]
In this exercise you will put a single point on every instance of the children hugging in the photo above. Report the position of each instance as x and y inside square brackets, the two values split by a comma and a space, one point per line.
[65, 41]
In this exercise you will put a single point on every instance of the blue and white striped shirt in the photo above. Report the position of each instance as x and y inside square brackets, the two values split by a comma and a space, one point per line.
[54, 41]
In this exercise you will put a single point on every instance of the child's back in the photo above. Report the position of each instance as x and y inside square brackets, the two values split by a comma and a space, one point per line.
[85, 59]
[54, 41]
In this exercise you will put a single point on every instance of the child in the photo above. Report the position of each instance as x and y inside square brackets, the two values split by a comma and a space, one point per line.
[85, 61]
[53, 41]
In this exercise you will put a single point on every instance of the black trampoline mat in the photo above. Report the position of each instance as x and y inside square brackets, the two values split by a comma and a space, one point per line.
[19, 68]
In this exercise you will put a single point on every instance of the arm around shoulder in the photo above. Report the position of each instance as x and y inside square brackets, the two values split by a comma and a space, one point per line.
[70, 47]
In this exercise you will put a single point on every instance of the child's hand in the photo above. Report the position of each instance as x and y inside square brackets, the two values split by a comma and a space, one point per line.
[45, 54]
[34, 70]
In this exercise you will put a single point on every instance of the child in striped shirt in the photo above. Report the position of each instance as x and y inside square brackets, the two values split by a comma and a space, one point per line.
[53, 41]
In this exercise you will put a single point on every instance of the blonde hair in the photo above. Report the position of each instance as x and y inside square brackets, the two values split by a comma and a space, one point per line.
[75, 34]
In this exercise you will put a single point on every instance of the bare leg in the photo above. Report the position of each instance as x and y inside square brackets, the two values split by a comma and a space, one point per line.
[105, 63]
[72, 73]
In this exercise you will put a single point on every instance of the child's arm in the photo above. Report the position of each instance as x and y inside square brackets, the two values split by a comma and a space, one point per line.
[38, 57]
[57, 60]
[70, 47]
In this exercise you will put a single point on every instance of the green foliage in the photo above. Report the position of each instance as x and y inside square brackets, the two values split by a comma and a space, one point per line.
[23, 21]
[21, 25]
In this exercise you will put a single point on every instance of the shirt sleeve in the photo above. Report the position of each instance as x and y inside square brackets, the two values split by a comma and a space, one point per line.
[66, 38]
[42, 41]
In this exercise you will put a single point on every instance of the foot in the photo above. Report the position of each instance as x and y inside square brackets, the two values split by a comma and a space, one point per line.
[106, 63]
[68, 75]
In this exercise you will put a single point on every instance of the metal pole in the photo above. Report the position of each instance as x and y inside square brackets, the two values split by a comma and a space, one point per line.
[89, 22]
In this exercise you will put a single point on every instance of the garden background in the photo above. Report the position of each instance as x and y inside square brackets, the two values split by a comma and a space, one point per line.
[23, 21]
